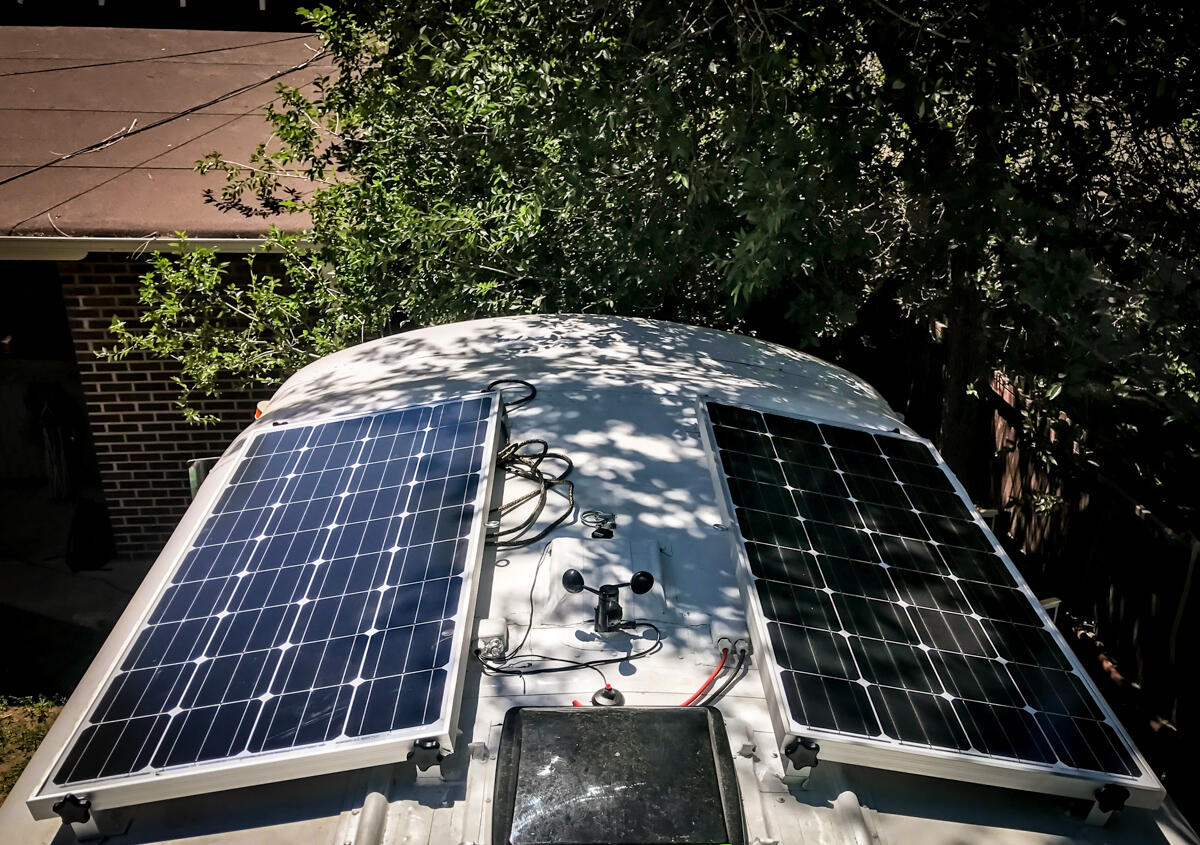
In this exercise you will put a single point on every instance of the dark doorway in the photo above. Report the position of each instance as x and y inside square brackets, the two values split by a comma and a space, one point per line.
[52, 519]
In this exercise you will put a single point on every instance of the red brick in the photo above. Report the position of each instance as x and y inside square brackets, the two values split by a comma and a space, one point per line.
[142, 441]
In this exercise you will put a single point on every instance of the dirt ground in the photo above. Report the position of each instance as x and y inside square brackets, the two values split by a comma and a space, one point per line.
[23, 723]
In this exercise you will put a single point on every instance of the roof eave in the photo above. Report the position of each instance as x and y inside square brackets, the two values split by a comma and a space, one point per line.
[48, 248]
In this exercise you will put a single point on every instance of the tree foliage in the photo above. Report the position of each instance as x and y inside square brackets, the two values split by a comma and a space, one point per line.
[1023, 173]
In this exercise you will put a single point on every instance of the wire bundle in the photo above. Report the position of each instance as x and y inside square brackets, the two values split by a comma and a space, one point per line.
[708, 681]
[499, 665]
[524, 460]
[731, 679]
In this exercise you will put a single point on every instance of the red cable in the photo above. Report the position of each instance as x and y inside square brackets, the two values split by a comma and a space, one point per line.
[711, 678]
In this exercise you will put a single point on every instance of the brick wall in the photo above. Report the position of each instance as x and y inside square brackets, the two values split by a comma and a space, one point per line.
[142, 442]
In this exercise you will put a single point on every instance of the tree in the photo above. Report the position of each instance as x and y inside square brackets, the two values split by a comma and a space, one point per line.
[1023, 173]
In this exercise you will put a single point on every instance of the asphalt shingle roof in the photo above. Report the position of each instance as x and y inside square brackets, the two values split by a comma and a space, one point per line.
[141, 184]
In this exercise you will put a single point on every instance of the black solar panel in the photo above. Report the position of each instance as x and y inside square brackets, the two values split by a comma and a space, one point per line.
[318, 601]
[889, 612]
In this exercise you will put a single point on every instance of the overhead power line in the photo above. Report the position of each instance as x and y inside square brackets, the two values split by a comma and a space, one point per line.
[153, 58]
[123, 171]
[107, 142]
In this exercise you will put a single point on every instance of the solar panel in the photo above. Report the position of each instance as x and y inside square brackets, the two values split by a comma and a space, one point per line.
[889, 623]
[319, 605]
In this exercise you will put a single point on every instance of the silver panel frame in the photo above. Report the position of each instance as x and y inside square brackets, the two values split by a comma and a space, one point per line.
[285, 764]
[894, 755]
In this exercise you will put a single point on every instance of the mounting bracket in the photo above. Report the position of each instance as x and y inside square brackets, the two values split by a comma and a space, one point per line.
[426, 753]
[76, 813]
[1109, 799]
[73, 810]
[801, 756]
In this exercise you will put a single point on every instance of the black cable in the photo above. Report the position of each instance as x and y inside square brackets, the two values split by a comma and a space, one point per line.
[124, 171]
[512, 653]
[518, 382]
[154, 58]
[519, 461]
[524, 460]
[716, 694]
[489, 669]
[580, 664]
[99, 145]
[532, 587]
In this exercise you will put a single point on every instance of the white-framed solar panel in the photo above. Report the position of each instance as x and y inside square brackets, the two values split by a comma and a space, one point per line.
[314, 616]
[889, 625]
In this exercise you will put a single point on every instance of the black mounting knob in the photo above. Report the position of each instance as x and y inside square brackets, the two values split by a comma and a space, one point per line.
[572, 581]
[1111, 797]
[73, 809]
[802, 752]
[641, 582]
[426, 753]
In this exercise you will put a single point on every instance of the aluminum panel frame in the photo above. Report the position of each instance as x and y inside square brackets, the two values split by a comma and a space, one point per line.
[286, 764]
[1145, 791]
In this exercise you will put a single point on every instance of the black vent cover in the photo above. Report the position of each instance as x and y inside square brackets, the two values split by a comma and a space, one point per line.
[615, 776]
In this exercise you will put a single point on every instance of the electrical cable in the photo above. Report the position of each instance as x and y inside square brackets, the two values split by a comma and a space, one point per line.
[518, 461]
[602, 523]
[123, 171]
[708, 681]
[99, 145]
[518, 382]
[581, 664]
[489, 669]
[153, 58]
[729, 681]
[532, 586]
[524, 460]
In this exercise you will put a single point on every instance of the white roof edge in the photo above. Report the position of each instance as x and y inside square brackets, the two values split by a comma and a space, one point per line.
[551, 348]
[55, 248]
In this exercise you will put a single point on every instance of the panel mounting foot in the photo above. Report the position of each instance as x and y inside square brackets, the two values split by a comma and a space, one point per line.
[73, 810]
[426, 753]
[801, 756]
[1109, 799]
[76, 813]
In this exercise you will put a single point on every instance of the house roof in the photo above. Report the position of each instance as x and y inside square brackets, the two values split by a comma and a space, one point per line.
[151, 102]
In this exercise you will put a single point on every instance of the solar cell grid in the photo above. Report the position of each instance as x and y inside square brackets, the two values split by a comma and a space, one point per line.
[316, 602]
[890, 613]
[856, 578]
